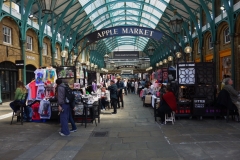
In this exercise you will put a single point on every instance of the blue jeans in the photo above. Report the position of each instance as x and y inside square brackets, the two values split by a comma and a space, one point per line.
[71, 120]
[64, 116]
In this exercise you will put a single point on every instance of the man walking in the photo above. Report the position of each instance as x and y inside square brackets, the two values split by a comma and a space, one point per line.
[113, 95]
[63, 108]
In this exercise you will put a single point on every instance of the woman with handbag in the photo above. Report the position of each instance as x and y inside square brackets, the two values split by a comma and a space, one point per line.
[18, 98]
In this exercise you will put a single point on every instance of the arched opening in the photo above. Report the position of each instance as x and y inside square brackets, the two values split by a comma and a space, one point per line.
[30, 73]
[9, 78]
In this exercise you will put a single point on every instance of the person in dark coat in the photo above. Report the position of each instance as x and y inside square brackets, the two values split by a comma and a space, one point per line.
[168, 104]
[113, 95]
[120, 87]
[233, 93]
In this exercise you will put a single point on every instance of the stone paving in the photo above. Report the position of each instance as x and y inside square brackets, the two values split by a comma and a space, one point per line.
[132, 134]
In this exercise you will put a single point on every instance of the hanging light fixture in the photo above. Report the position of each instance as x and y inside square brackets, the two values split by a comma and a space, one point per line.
[175, 23]
[170, 58]
[178, 55]
[188, 49]
[47, 6]
[160, 63]
[165, 61]
[151, 50]
[64, 53]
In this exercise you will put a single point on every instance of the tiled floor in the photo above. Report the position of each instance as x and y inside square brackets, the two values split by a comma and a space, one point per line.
[132, 134]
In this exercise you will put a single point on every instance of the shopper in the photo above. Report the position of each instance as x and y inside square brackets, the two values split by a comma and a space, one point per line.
[233, 93]
[168, 104]
[120, 87]
[113, 95]
[63, 108]
[18, 98]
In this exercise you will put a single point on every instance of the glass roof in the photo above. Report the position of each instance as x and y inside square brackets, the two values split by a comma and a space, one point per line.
[110, 13]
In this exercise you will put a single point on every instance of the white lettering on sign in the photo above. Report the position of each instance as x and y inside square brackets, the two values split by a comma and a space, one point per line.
[199, 101]
[135, 31]
[31, 57]
[20, 64]
[122, 55]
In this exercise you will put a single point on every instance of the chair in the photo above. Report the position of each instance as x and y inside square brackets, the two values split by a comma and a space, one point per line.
[21, 105]
[147, 100]
[224, 102]
[170, 118]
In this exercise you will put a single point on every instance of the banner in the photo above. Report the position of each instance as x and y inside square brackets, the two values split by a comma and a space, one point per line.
[126, 55]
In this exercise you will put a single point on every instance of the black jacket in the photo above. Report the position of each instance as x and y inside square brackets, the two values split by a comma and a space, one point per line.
[224, 100]
[113, 91]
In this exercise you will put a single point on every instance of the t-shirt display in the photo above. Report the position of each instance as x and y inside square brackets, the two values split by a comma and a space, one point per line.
[40, 93]
[40, 76]
[44, 109]
[51, 74]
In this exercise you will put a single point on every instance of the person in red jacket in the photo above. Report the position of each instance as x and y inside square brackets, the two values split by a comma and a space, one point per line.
[168, 104]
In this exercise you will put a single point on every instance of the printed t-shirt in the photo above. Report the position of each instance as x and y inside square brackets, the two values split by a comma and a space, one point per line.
[44, 109]
[39, 76]
[33, 88]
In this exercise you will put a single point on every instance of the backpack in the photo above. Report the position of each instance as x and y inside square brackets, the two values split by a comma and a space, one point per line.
[69, 95]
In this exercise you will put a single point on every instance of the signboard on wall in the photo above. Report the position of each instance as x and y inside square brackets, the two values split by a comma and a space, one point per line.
[126, 55]
[19, 64]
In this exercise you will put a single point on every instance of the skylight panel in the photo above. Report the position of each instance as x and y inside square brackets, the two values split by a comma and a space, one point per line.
[146, 15]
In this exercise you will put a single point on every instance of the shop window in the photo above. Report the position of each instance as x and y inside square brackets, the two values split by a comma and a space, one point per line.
[56, 53]
[198, 48]
[226, 65]
[7, 35]
[29, 43]
[44, 51]
[226, 35]
[210, 44]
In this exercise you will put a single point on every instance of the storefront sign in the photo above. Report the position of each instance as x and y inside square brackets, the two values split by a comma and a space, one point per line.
[199, 103]
[31, 57]
[127, 66]
[19, 64]
[199, 106]
[124, 31]
[126, 55]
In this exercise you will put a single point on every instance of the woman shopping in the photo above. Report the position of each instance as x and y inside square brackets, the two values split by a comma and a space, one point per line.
[18, 98]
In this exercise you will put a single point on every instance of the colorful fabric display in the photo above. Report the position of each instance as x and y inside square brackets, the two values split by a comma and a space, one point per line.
[44, 109]
[36, 115]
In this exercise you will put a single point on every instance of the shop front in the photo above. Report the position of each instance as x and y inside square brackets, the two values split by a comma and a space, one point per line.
[9, 77]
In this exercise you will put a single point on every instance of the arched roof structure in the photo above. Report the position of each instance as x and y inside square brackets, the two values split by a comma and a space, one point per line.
[74, 19]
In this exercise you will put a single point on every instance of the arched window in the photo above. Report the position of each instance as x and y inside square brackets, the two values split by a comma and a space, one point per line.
[226, 35]
[210, 44]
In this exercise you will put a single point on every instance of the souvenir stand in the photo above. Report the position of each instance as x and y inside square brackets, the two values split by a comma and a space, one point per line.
[40, 90]
[196, 89]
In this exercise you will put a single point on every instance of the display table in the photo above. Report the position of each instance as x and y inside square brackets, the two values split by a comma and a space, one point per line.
[91, 110]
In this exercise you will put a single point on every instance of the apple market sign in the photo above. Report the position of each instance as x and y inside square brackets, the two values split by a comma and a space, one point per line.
[124, 31]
